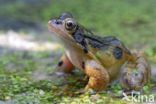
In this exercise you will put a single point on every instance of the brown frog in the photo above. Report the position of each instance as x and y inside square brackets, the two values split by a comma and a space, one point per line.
[102, 59]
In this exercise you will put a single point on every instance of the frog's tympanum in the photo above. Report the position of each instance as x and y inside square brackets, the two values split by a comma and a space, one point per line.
[102, 59]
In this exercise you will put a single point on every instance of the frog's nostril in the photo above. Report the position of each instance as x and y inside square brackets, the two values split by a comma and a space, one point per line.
[57, 22]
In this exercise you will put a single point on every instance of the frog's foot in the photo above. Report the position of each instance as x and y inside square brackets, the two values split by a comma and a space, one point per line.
[64, 65]
[98, 76]
[135, 75]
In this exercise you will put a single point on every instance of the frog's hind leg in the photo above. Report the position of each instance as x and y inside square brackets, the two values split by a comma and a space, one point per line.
[65, 65]
[135, 74]
[98, 76]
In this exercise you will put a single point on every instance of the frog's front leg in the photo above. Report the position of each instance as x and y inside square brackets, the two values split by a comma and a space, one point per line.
[135, 74]
[98, 76]
[65, 65]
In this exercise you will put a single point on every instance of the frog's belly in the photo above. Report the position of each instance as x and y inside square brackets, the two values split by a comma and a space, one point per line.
[76, 57]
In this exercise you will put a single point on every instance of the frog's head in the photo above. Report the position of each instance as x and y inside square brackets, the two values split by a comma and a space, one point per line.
[64, 26]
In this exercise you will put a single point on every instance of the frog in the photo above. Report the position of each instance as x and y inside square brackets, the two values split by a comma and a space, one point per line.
[102, 59]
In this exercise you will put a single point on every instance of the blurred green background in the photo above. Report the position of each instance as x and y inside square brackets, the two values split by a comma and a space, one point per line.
[28, 51]
[124, 18]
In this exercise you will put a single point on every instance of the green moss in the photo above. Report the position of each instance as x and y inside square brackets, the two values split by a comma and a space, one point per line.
[122, 18]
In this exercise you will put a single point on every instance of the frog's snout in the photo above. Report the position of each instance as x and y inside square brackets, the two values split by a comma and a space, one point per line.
[51, 22]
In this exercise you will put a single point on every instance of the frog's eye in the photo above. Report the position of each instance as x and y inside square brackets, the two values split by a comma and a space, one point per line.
[70, 25]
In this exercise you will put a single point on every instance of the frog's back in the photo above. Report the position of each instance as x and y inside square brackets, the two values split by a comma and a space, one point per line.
[106, 43]
[109, 50]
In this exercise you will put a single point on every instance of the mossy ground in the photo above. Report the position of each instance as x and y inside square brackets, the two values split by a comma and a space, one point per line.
[28, 77]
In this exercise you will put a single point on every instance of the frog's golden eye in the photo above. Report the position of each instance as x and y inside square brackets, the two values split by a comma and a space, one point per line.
[70, 25]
